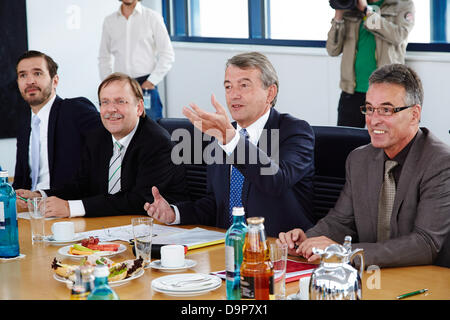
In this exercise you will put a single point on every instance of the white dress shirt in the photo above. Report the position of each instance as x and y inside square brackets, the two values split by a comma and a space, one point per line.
[76, 206]
[43, 181]
[140, 45]
[254, 133]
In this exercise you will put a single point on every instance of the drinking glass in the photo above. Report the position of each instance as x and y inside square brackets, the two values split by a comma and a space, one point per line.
[36, 207]
[142, 232]
[278, 256]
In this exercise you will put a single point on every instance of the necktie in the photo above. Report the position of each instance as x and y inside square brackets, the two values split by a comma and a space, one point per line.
[35, 143]
[114, 169]
[386, 202]
[236, 182]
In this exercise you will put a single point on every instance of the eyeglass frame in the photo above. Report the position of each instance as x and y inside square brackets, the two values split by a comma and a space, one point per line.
[117, 102]
[393, 110]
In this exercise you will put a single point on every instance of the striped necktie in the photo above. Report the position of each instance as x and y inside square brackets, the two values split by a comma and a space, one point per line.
[114, 169]
[386, 202]
[35, 143]
[236, 182]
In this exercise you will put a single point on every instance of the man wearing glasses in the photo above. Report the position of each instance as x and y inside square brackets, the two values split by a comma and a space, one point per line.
[396, 200]
[120, 163]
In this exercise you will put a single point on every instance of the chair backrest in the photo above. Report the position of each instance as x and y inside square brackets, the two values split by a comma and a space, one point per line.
[195, 166]
[332, 146]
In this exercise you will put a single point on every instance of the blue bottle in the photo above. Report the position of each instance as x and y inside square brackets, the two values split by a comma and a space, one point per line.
[102, 291]
[234, 242]
[9, 233]
[147, 100]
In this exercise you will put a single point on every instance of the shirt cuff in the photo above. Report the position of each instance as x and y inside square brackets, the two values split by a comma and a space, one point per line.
[230, 146]
[76, 208]
[177, 215]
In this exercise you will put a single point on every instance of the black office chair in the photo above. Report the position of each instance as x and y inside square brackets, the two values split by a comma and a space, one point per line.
[195, 169]
[332, 146]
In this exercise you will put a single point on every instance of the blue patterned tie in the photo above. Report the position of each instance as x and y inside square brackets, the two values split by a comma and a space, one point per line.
[35, 143]
[236, 182]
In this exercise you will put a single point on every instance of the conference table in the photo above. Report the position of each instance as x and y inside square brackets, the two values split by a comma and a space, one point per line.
[31, 277]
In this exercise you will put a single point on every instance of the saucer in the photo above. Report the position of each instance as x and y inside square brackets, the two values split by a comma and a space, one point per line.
[50, 239]
[187, 264]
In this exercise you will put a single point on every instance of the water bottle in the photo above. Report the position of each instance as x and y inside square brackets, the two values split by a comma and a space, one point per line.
[147, 100]
[102, 291]
[9, 233]
[234, 242]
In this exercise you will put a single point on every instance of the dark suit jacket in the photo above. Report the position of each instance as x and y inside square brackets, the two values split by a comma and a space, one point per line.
[283, 198]
[420, 220]
[68, 123]
[146, 163]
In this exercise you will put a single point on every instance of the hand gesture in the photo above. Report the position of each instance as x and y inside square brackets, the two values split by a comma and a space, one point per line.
[160, 208]
[214, 124]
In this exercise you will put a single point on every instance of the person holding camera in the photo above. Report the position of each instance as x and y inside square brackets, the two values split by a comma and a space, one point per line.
[369, 35]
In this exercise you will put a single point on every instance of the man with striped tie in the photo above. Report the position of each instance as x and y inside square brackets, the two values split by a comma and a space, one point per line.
[121, 162]
[277, 185]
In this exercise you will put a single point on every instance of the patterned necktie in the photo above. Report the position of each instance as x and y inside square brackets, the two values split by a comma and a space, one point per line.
[386, 202]
[35, 143]
[236, 182]
[114, 169]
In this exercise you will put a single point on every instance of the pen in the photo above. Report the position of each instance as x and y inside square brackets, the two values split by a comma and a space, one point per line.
[412, 293]
[24, 199]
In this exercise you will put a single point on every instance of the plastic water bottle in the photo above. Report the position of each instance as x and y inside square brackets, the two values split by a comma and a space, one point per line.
[102, 291]
[9, 233]
[234, 242]
[147, 100]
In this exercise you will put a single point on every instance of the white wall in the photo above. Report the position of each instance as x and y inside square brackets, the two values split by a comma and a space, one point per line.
[308, 77]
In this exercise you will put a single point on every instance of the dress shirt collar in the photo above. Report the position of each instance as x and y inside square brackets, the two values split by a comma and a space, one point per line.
[255, 129]
[44, 112]
[137, 9]
[125, 141]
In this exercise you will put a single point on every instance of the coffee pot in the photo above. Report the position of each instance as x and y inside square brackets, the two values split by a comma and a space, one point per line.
[335, 278]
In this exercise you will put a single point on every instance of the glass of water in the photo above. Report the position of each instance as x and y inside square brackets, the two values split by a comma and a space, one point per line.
[142, 232]
[36, 207]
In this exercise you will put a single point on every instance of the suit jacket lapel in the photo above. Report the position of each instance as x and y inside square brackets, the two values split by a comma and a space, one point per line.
[51, 132]
[408, 172]
[105, 154]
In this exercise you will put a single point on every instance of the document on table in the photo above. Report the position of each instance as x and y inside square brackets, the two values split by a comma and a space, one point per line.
[125, 233]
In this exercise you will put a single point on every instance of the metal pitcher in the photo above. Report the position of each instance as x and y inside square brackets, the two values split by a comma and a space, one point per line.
[335, 278]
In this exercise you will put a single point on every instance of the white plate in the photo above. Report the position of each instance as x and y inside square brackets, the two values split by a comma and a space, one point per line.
[165, 284]
[64, 251]
[69, 283]
[49, 239]
[187, 264]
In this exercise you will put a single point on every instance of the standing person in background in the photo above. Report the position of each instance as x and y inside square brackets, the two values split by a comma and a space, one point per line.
[368, 37]
[138, 40]
[53, 132]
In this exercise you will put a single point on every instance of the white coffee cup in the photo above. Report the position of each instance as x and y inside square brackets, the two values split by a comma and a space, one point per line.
[172, 256]
[304, 288]
[63, 231]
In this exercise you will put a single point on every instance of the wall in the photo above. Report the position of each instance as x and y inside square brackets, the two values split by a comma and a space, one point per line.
[308, 78]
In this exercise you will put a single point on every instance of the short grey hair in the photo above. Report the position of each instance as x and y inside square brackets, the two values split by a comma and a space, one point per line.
[259, 61]
[404, 76]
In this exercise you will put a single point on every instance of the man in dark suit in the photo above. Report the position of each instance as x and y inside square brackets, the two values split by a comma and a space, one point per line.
[121, 162]
[400, 216]
[48, 151]
[271, 155]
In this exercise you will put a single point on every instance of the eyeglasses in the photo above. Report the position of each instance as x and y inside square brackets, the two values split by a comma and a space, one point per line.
[382, 111]
[107, 103]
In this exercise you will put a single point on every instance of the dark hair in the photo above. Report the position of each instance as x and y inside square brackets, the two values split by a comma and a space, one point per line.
[404, 76]
[118, 76]
[259, 61]
[52, 66]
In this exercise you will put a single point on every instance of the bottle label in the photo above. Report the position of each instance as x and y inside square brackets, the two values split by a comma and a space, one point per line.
[250, 286]
[247, 287]
[229, 259]
[2, 216]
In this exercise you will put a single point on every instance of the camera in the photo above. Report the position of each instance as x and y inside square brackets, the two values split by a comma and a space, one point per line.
[343, 4]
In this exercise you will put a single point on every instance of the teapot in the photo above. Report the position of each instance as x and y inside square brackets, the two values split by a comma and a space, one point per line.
[335, 278]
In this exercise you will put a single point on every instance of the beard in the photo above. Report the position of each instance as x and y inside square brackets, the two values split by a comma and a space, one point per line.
[38, 97]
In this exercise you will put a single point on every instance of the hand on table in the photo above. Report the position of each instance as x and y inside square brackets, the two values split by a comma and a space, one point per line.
[25, 194]
[56, 207]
